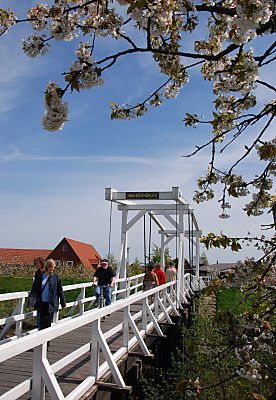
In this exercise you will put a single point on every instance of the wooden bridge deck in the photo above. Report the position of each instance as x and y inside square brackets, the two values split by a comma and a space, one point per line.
[19, 368]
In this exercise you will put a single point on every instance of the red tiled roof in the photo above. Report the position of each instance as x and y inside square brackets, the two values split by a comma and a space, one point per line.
[21, 256]
[86, 252]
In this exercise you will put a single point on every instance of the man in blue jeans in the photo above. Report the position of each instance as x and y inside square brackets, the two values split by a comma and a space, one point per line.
[106, 277]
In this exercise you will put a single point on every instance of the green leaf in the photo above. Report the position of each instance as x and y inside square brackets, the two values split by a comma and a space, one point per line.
[267, 324]
[182, 386]
[48, 98]
[75, 85]
[68, 78]
[136, 4]
[232, 191]
[235, 246]
[258, 396]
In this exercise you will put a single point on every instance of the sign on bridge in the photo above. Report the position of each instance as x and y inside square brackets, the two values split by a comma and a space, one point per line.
[142, 195]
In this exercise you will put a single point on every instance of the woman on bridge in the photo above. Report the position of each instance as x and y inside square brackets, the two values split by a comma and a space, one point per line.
[150, 280]
[46, 293]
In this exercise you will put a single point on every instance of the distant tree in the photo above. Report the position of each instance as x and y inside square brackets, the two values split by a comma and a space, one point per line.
[156, 255]
[135, 268]
[203, 260]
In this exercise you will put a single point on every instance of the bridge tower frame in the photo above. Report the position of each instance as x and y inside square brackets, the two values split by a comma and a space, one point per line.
[173, 213]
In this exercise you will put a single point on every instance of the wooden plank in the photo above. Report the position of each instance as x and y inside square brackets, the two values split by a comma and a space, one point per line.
[111, 387]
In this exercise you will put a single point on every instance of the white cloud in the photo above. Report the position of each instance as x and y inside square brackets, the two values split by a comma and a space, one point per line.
[73, 205]
[15, 70]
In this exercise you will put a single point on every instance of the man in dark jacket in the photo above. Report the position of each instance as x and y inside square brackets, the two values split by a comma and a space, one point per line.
[106, 279]
[47, 292]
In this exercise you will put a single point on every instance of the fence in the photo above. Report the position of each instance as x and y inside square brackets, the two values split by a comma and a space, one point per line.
[137, 324]
[77, 307]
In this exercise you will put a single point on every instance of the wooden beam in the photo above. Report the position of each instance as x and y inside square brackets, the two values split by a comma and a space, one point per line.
[156, 336]
[112, 387]
[141, 356]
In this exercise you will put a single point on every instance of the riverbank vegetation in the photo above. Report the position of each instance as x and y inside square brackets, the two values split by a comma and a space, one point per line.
[230, 356]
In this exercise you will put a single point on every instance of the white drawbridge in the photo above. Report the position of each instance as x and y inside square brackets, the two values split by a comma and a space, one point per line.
[176, 213]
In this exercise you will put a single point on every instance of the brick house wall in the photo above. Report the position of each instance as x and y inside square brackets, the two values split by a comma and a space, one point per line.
[63, 254]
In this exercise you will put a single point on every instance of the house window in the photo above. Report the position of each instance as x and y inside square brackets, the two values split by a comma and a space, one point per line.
[70, 263]
[57, 263]
[64, 247]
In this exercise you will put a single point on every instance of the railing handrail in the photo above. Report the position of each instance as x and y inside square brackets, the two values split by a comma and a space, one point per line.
[18, 295]
[12, 349]
[20, 314]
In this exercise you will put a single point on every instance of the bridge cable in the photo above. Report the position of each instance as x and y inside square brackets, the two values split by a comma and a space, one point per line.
[145, 250]
[192, 234]
[176, 246]
[190, 247]
[149, 256]
[176, 232]
[110, 230]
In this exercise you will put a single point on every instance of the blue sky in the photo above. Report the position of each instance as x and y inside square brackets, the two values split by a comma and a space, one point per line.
[52, 184]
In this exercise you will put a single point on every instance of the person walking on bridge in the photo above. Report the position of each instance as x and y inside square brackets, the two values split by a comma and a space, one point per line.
[45, 295]
[106, 279]
[160, 274]
[39, 263]
[170, 272]
[150, 280]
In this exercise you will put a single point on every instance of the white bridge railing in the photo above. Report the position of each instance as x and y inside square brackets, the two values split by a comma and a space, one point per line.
[76, 307]
[164, 303]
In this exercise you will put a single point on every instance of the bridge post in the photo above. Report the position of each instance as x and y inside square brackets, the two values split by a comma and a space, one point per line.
[156, 305]
[95, 351]
[123, 255]
[197, 257]
[20, 310]
[162, 249]
[82, 297]
[38, 386]
[126, 327]
[144, 314]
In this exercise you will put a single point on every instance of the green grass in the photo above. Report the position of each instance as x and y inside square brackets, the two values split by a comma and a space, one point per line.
[232, 299]
[10, 284]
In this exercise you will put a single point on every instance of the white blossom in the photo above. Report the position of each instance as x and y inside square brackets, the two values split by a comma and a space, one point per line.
[35, 45]
[224, 216]
[56, 111]
[88, 75]
[38, 16]
[65, 28]
[250, 371]
[160, 15]
[104, 23]
[7, 19]
[250, 14]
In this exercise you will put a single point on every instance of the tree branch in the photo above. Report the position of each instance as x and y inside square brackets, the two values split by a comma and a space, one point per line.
[253, 144]
[266, 84]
